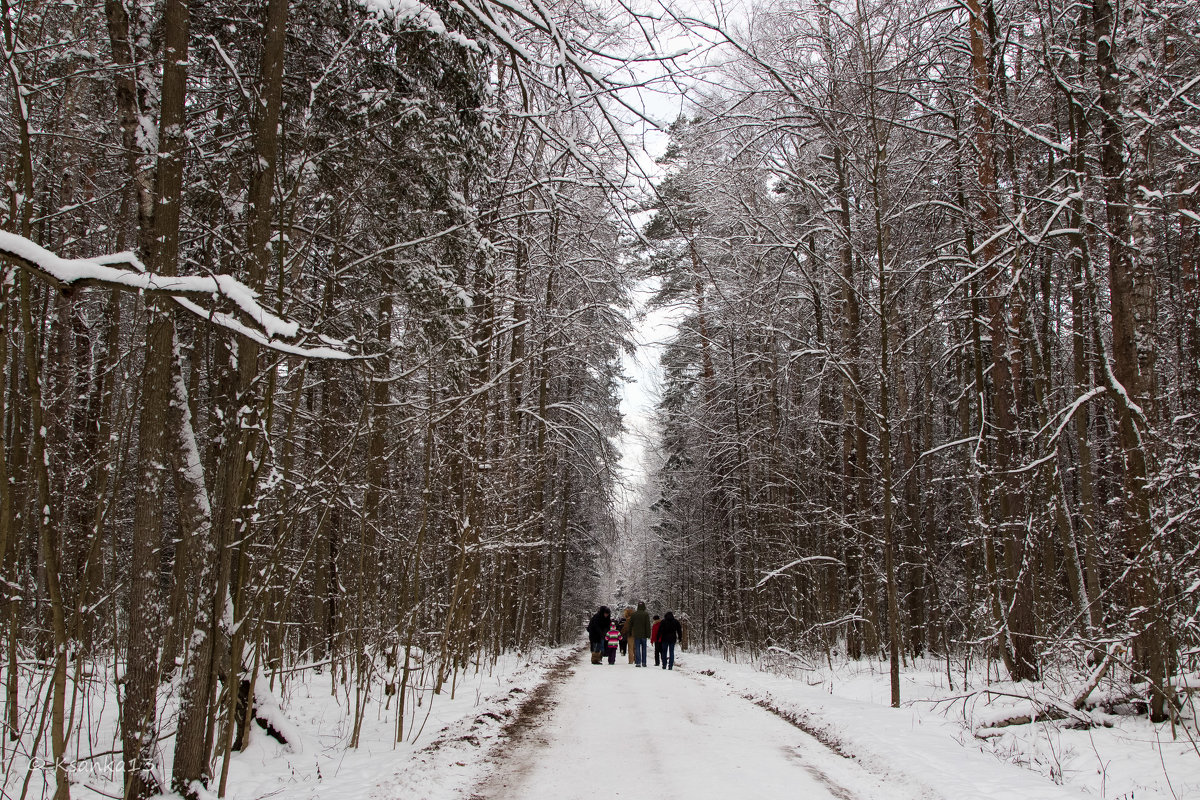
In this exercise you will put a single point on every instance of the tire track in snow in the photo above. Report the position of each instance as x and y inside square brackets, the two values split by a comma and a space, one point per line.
[620, 732]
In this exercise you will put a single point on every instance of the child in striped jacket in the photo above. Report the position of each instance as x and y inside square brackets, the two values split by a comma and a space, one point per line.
[611, 641]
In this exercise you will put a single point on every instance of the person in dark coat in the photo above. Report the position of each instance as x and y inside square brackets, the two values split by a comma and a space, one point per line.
[597, 629]
[669, 631]
[639, 629]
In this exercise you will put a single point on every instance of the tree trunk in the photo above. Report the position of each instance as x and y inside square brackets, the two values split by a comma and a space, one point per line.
[1130, 285]
[1010, 506]
[160, 244]
[197, 682]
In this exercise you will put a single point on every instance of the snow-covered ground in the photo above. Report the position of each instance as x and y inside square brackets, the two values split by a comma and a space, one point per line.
[931, 742]
[548, 724]
[444, 758]
[442, 755]
[622, 732]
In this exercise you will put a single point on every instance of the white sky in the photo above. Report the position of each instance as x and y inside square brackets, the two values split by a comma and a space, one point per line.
[652, 330]
[662, 100]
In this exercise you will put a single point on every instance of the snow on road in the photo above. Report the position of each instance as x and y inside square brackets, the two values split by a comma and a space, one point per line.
[619, 731]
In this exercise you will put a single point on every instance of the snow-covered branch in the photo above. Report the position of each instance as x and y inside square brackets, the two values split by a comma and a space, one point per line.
[775, 573]
[125, 271]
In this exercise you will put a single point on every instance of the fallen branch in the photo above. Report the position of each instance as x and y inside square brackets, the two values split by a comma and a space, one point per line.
[1037, 710]
[1114, 651]
[1042, 714]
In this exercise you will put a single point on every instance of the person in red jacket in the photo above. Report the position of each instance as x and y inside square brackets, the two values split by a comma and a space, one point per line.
[654, 638]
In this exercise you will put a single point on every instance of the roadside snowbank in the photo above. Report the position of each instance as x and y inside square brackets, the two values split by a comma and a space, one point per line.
[929, 741]
[442, 756]
[444, 760]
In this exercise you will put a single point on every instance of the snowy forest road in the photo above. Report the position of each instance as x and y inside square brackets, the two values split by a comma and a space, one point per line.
[652, 734]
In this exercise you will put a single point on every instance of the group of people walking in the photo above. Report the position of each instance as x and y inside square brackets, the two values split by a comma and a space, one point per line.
[633, 632]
